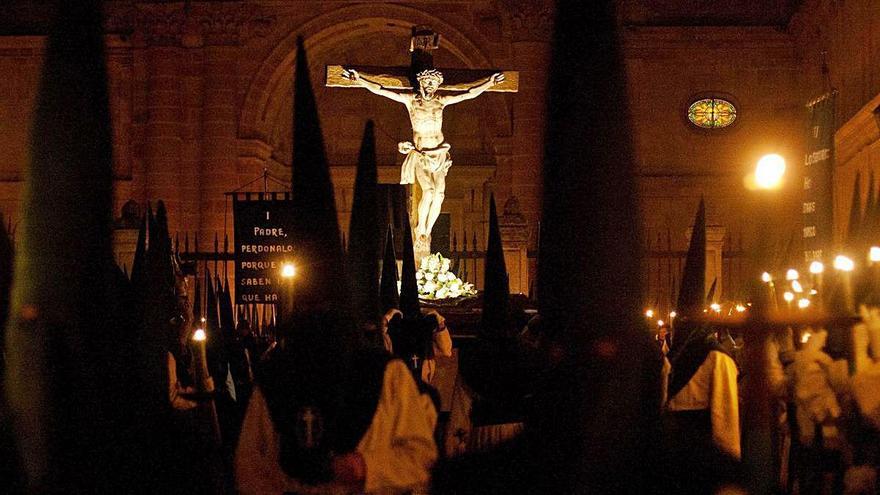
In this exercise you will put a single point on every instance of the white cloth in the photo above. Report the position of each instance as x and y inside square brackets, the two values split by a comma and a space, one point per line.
[398, 448]
[434, 160]
[714, 387]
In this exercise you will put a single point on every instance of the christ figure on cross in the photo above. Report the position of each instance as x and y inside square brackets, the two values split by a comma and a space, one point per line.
[427, 156]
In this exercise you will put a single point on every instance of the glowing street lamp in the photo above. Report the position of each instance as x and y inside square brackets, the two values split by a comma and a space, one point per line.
[769, 172]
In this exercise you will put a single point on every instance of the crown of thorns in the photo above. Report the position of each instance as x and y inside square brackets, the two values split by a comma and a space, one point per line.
[430, 74]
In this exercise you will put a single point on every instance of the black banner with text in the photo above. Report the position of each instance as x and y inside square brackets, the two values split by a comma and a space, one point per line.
[262, 244]
[818, 170]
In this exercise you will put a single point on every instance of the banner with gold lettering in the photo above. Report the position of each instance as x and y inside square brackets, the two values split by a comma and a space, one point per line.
[818, 170]
[262, 224]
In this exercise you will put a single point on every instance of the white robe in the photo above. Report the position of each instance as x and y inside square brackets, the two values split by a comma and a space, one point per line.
[714, 387]
[398, 448]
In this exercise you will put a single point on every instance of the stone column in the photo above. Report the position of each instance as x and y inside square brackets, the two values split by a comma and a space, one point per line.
[161, 28]
[530, 23]
[514, 238]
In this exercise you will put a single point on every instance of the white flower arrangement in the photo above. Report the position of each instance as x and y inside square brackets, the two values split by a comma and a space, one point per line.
[435, 281]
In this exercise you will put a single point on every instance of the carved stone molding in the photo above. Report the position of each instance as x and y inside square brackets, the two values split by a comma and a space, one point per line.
[226, 23]
[160, 24]
[530, 20]
[233, 24]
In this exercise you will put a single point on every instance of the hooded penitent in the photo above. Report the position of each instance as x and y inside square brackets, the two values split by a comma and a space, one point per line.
[365, 236]
[412, 335]
[321, 386]
[495, 366]
[692, 340]
[70, 345]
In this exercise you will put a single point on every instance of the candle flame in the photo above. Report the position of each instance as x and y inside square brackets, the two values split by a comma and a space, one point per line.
[792, 274]
[288, 270]
[788, 296]
[803, 303]
[199, 335]
[766, 278]
[740, 308]
[796, 286]
[715, 307]
[843, 264]
[660, 323]
[874, 254]
[649, 313]
[673, 314]
[806, 337]
[817, 267]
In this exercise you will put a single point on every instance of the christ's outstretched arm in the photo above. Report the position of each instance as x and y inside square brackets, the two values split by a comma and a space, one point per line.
[373, 87]
[476, 90]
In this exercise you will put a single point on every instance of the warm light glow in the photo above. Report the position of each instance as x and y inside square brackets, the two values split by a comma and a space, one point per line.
[788, 296]
[204, 319]
[806, 337]
[796, 286]
[766, 278]
[813, 292]
[769, 172]
[740, 308]
[673, 314]
[199, 335]
[660, 323]
[288, 270]
[874, 254]
[791, 274]
[715, 307]
[817, 267]
[803, 303]
[843, 264]
[649, 313]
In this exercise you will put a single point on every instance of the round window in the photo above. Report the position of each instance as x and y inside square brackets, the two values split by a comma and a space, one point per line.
[712, 113]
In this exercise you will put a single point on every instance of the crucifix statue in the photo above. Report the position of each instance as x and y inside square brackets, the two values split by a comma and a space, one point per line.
[428, 156]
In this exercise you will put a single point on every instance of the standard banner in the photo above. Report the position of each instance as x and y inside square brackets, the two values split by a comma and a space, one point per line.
[818, 203]
[263, 223]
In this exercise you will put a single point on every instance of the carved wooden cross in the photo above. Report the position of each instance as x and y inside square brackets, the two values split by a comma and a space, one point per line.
[422, 43]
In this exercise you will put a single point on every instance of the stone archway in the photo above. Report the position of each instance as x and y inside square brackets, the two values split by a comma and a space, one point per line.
[270, 88]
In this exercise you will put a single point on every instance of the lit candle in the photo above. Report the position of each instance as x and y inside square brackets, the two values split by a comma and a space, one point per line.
[844, 267]
[816, 270]
[791, 274]
[649, 313]
[874, 263]
[789, 297]
[204, 382]
[803, 303]
[768, 279]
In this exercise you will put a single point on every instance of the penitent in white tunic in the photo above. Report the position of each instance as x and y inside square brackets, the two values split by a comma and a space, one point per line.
[713, 387]
[398, 447]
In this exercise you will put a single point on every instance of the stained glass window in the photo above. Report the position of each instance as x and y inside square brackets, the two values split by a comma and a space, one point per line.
[712, 113]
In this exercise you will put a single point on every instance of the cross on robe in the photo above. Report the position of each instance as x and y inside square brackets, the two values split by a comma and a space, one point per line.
[415, 361]
[423, 42]
[308, 417]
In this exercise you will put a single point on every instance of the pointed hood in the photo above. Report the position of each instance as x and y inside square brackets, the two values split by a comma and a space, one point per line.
[214, 345]
[7, 252]
[409, 288]
[320, 283]
[197, 301]
[692, 293]
[710, 297]
[365, 234]
[855, 213]
[496, 289]
[63, 339]
[227, 316]
[138, 265]
[389, 297]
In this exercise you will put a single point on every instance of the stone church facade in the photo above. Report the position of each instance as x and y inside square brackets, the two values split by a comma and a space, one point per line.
[201, 101]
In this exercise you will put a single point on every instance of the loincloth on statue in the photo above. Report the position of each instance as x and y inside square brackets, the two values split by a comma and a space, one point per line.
[434, 160]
